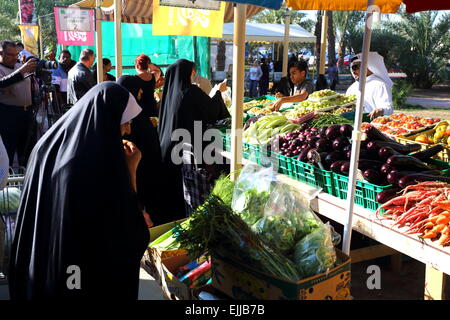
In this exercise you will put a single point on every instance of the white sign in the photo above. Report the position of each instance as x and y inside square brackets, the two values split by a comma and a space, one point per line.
[195, 4]
[75, 19]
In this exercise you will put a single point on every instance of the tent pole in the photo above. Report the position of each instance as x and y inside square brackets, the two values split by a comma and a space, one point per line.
[238, 88]
[287, 22]
[98, 41]
[118, 36]
[323, 44]
[356, 135]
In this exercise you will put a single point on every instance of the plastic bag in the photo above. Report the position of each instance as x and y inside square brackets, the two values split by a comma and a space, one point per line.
[251, 192]
[287, 219]
[315, 253]
[226, 96]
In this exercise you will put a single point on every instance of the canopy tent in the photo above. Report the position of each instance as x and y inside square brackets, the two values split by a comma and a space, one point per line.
[269, 32]
[141, 11]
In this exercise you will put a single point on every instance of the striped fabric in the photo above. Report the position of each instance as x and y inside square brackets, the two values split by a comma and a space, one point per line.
[141, 11]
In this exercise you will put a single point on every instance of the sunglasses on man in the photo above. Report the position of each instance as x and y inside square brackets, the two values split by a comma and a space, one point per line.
[356, 67]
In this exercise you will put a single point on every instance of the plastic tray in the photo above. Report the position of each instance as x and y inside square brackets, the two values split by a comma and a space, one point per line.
[365, 192]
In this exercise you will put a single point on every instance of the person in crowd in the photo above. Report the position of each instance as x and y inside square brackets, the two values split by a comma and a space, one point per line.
[183, 104]
[80, 79]
[254, 74]
[147, 80]
[80, 233]
[150, 172]
[333, 74]
[107, 67]
[15, 102]
[378, 92]
[60, 75]
[301, 89]
[23, 54]
[4, 167]
[283, 87]
[264, 80]
[271, 65]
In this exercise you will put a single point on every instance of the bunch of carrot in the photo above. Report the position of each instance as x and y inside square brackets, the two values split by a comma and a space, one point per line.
[424, 208]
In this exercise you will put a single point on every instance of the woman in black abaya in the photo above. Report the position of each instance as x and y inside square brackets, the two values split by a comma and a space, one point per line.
[79, 231]
[150, 173]
[182, 104]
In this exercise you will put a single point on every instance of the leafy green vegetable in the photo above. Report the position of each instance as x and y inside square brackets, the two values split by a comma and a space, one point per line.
[278, 231]
[315, 253]
[215, 228]
[223, 188]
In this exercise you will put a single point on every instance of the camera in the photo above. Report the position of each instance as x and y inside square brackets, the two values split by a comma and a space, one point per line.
[42, 69]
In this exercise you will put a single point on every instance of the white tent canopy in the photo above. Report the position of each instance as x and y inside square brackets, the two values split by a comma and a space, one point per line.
[269, 32]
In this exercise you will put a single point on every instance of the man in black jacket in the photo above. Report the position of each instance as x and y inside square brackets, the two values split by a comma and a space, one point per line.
[80, 78]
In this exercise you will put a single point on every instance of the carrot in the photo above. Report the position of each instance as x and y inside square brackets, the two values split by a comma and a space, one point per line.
[443, 204]
[438, 228]
[442, 219]
[446, 230]
[444, 239]
[429, 235]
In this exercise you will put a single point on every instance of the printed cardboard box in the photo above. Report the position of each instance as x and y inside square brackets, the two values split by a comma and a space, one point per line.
[173, 288]
[242, 282]
[151, 261]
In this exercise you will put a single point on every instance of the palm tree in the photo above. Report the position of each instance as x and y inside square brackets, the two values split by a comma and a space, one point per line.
[427, 48]
[331, 38]
[318, 34]
[347, 25]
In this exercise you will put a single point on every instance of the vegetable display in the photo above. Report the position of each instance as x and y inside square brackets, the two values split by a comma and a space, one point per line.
[261, 131]
[422, 208]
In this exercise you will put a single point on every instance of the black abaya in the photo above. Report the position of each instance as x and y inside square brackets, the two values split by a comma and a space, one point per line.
[151, 177]
[78, 208]
[182, 104]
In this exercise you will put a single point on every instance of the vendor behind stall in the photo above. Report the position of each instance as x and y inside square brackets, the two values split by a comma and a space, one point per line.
[302, 87]
[378, 94]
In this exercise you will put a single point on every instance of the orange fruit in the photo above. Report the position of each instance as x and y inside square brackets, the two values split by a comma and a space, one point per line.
[422, 139]
[447, 131]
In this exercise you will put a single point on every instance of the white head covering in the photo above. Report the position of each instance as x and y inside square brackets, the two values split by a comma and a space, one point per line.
[375, 64]
[131, 111]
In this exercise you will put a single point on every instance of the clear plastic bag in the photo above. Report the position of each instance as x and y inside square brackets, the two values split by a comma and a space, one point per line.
[287, 219]
[251, 192]
[315, 253]
[226, 96]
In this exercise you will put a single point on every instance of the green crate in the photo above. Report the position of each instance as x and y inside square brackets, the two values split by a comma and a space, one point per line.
[284, 165]
[365, 192]
[312, 175]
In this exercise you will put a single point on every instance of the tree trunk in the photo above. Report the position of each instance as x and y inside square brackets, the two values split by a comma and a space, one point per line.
[318, 34]
[331, 39]
[221, 55]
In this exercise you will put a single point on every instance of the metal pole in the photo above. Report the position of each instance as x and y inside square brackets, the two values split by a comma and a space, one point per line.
[41, 43]
[356, 136]
[238, 88]
[98, 41]
[323, 43]
[118, 35]
[287, 22]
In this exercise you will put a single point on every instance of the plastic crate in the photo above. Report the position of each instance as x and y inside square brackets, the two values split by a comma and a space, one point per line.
[313, 176]
[365, 192]
[284, 164]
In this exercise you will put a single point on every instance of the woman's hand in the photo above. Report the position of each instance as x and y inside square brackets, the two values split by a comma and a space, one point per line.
[223, 86]
[376, 113]
[279, 95]
[132, 154]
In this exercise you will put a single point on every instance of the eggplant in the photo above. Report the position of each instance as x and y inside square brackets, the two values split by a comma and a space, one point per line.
[340, 143]
[348, 155]
[402, 148]
[322, 132]
[428, 153]
[336, 166]
[373, 133]
[392, 178]
[385, 152]
[372, 176]
[364, 164]
[386, 195]
[333, 132]
[373, 147]
[345, 168]
[324, 145]
[347, 148]
[312, 142]
[364, 154]
[303, 157]
[407, 161]
[417, 177]
[363, 144]
[385, 169]
[346, 130]
[333, 157]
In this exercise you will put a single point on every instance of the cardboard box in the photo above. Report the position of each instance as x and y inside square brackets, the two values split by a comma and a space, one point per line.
[151, 261]
[174, 289]
[242, 282]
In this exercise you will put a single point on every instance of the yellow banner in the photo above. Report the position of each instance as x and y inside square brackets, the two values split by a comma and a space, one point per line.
[187, 21]
[30, 34]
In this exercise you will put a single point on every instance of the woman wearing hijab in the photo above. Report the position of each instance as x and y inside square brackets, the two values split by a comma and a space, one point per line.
[79, 231]
[182, 104]
[150, 174]
[378, 92]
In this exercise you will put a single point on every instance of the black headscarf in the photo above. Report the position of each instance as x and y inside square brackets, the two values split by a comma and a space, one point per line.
[183, 103]
[78, 207]
[150, 173]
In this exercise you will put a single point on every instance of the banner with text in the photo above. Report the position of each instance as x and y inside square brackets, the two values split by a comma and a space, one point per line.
[74, 26]
[30, 34]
